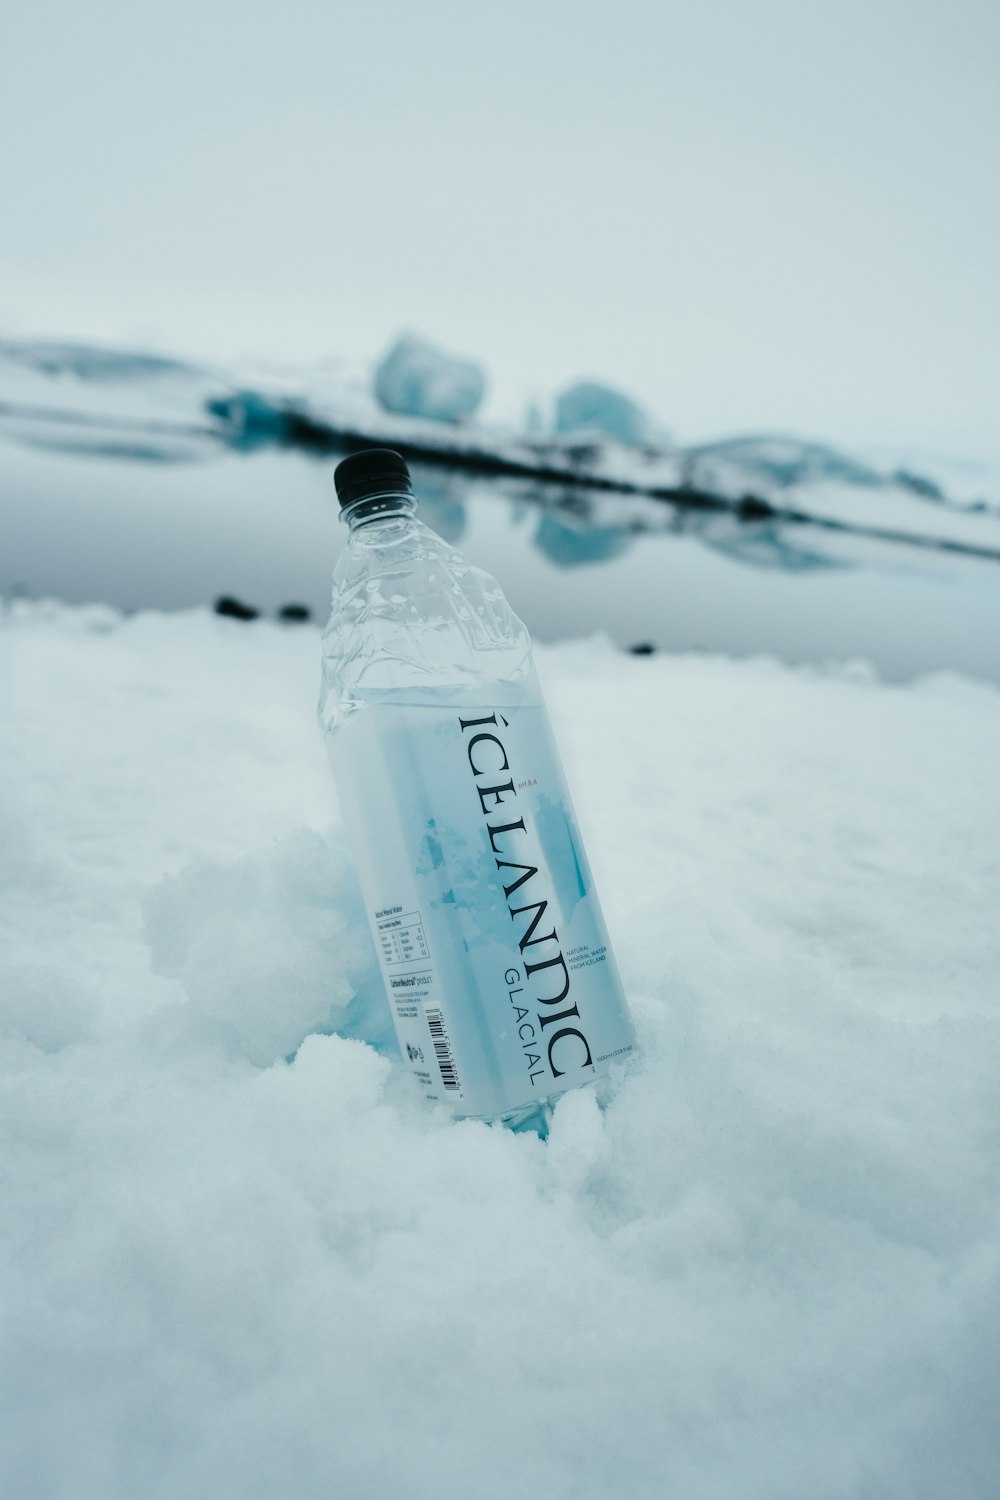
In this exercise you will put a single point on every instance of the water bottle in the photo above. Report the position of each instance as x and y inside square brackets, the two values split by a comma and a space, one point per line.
[495, 956]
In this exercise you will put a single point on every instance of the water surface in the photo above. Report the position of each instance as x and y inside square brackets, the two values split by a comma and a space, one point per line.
[145, 525]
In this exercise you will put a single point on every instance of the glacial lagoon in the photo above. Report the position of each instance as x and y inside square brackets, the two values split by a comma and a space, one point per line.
[142, 525]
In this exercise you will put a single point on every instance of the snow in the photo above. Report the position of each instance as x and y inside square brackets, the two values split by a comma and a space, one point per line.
[241, 1260]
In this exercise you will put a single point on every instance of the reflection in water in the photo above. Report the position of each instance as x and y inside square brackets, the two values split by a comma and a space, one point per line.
[575, 528]
[570, 542]
[769, 544]
[78, 435]
[101, 512]
[442, 502]
[130, 449]
[569, 531]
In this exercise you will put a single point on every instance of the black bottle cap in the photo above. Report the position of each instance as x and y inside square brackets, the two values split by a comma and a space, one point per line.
[373, 471]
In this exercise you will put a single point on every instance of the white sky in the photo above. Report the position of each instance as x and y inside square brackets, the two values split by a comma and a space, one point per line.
[781, 216]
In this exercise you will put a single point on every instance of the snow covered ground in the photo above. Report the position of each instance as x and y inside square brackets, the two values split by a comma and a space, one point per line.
[240, 1260]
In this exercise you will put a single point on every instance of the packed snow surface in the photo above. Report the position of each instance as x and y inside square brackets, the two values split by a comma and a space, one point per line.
[241, 1260]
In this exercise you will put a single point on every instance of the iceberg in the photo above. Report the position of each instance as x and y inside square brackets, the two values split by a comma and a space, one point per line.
[781, 461]
[93, 362]
[591, 407]
[415, 379]
[249, 420]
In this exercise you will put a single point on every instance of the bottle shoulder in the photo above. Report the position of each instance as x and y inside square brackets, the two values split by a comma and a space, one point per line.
[409, 611]
[393, 547]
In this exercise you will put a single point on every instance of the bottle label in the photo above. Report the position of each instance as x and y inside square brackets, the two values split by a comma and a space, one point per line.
[492, 944]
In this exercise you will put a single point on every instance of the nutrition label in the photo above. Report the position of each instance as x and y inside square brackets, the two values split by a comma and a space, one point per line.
[401, 937]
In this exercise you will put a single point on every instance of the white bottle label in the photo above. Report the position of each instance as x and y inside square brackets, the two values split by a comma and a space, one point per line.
[492, 944]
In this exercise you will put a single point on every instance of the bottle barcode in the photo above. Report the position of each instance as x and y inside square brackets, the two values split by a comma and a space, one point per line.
[442, 1047]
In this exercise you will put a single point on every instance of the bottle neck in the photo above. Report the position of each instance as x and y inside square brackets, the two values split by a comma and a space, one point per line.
[374, 508]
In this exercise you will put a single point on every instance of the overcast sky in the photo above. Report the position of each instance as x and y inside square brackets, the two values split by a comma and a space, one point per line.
[781, 216]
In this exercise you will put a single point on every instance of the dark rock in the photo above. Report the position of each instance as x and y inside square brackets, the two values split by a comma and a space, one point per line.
[583, 455]
[295, 614]
[753, 508]
[918, 485]
[234, 609]
[642, 648]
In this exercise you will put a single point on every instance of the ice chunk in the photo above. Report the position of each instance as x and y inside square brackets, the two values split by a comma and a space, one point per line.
[781, 460]
[589, 406]
[250, 420]
[417, 380]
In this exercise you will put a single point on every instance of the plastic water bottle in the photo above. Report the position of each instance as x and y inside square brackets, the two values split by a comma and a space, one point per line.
[496, 960]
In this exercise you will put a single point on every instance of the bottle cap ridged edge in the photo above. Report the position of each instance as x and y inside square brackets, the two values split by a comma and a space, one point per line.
[371, 472]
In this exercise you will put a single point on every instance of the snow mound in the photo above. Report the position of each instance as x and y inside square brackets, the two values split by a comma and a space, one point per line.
[239, 1259]
[269, 948]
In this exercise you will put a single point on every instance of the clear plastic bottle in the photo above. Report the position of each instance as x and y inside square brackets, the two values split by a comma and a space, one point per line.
[500, 975]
